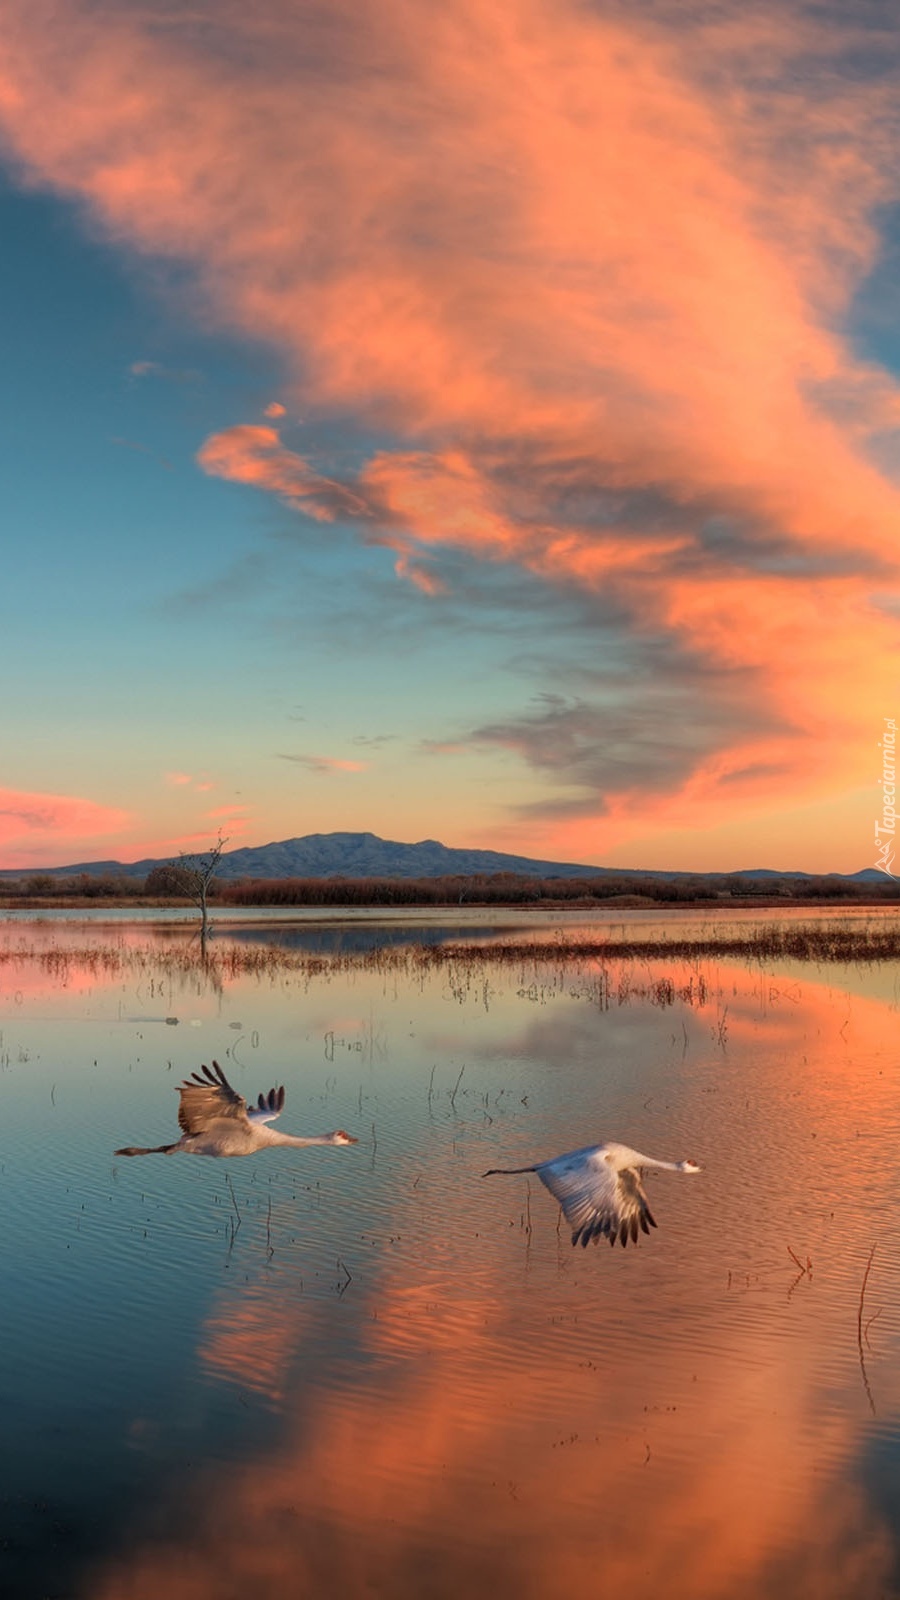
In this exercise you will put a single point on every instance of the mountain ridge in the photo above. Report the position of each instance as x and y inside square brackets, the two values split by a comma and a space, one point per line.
[366, 855]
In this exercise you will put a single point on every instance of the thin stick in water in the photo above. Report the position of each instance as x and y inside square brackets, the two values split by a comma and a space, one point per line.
[859, 1329]
[873, 1318]
[233, 1200]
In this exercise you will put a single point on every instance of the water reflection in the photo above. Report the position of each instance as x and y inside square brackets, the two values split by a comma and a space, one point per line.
[395, 1378]
[541, 1472]
[354, 939]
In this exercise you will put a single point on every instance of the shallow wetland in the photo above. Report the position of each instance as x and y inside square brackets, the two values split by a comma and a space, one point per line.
[370, 1371]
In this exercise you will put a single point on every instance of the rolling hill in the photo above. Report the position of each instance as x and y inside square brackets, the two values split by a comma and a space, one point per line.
[365, 855]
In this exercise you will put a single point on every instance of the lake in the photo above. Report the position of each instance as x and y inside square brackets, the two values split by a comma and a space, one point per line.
[370, 1371]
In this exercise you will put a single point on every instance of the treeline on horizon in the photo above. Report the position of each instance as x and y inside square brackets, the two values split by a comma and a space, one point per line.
[498, 888]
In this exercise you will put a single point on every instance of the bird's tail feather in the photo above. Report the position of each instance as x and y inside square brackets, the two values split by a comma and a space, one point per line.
[506, 1172]
[137, 1150]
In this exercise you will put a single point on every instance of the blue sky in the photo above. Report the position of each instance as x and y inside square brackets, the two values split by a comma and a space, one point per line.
[161, 622]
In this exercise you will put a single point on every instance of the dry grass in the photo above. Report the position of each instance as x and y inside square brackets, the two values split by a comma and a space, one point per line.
[846, 943]
[615, 968]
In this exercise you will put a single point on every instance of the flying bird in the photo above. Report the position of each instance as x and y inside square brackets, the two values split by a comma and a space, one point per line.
[214, 1121]
[599, 1189]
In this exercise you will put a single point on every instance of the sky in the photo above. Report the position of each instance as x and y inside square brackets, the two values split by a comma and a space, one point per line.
[474, 422]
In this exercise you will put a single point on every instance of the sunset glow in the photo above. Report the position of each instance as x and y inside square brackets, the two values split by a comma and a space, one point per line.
[476, 423]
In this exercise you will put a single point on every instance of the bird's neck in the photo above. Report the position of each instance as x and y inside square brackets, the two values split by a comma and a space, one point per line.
[297, 1139]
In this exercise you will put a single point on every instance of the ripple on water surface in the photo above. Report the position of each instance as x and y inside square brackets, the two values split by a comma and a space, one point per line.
[370, 1369]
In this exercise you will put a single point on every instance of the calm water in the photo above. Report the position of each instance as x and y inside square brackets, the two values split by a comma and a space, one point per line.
[371, 1372]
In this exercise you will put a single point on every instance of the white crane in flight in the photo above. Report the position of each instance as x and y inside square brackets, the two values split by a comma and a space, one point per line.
[599, 1189]
[214, 1121]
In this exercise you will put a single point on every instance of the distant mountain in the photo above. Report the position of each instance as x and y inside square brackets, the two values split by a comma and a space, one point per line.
[865, 875]
[333, 855]
[364, 855]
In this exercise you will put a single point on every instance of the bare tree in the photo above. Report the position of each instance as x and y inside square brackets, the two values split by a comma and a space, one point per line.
[195, 874]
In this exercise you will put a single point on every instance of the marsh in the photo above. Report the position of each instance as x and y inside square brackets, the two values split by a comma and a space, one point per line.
[375, 1373]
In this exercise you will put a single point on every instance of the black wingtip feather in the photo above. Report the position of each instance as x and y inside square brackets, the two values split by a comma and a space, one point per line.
[209, 1076]
[613, 1231]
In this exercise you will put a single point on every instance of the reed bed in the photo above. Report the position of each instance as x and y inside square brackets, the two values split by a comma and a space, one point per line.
[180, 956]
[831, 944]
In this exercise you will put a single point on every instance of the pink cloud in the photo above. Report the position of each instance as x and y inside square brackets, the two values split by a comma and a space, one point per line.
[418, 575]
[46, 829]
[256, 455]
[154, 369]
[236, 818]
[326, 764]
[571, 259]
[194, 841]
[184, 780]
[274, 409]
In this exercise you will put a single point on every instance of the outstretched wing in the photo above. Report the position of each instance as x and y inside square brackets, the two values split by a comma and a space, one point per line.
[596, 1198]
[268, 1107]
[207, 1098]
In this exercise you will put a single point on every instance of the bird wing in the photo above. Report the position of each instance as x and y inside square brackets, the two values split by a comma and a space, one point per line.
[596, 1197]
[207, 1098]
[269, 1106]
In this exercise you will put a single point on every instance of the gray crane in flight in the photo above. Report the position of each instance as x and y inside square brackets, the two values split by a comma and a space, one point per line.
[215, 1121]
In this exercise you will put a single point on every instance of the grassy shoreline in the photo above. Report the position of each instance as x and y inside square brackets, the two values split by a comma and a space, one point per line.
[220, 908]
[832, 942]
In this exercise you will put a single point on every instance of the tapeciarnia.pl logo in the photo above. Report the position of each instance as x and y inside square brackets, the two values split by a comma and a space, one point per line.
[884, 846]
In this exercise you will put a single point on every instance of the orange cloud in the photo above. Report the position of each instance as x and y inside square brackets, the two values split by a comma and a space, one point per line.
[326, 764]
[256, 455]
[824, 637]
[35, 827]
[182, 780]
[587, 267]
